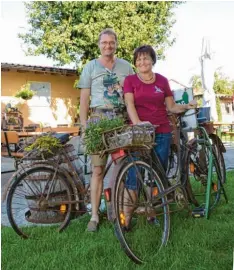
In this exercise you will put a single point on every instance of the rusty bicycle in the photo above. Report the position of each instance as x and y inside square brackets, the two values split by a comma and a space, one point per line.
[45, 194]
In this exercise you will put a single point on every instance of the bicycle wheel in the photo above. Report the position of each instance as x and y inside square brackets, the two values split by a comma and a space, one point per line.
[142, 221]
[220, 159]
[197, 167]
[39, 198]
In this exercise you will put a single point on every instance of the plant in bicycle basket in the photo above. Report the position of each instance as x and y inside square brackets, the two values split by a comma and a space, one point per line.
[95, 127]
[45, 146]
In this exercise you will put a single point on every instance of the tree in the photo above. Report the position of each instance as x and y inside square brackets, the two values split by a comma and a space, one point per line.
[196, 82]
[222, 84]
[68, 31]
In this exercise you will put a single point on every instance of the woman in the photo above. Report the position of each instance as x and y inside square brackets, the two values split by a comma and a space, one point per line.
[148, 97]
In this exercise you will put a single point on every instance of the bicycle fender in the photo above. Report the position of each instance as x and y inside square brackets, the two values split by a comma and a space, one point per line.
[218, 141]
[111, 213]
[191, 143]
[20, 171]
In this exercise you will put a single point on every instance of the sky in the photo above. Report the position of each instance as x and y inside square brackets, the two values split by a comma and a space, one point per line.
[194, 20]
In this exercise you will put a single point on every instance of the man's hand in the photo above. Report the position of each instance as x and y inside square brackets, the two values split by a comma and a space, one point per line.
[82, 135]
[81, 145]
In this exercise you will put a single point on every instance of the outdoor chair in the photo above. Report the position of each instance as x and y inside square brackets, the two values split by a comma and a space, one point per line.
[62, 125]
[34, 125]
[11, 147]
[47, 129]
[18, 129]
[76, 125]
[30, 129]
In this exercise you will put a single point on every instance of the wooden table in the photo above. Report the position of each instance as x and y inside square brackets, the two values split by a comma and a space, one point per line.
[70, 130]
[218, 126]
[28, 134]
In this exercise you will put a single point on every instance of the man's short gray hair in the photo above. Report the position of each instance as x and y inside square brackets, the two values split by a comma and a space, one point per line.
[108, 31]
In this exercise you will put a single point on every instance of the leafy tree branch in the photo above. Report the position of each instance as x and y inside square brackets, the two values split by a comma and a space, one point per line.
[68, 31]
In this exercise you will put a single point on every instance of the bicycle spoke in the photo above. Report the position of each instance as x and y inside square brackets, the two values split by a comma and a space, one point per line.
[27, 208]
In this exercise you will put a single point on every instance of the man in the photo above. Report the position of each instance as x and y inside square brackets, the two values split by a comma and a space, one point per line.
[93, 84]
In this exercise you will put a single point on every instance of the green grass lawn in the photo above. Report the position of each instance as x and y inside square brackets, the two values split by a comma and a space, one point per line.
[194, 244]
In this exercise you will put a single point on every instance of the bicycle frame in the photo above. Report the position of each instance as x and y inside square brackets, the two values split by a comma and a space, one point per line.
[177, 180]
[203, 139]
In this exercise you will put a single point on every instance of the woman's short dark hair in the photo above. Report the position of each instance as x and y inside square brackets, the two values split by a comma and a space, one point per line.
[145, 49]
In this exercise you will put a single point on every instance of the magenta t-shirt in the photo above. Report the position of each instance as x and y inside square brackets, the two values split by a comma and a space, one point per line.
[149, 100]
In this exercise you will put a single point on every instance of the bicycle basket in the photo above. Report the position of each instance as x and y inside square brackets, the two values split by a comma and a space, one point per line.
[37, 154]
[129, 136]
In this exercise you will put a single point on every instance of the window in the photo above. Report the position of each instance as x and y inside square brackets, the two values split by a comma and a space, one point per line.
[228, 108]
[42, 98]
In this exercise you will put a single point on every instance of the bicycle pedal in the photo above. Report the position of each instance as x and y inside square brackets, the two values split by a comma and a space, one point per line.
[153, 221]
[198, 212]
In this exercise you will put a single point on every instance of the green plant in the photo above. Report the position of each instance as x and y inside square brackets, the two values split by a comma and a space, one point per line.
[58, 29]
[183, 251]
[25, 92]
[196, 82]
[45, 146]
[222, 84]
[93, 133]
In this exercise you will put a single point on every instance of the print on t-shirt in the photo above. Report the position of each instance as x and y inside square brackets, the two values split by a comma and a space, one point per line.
[158, 90]
[112, 90]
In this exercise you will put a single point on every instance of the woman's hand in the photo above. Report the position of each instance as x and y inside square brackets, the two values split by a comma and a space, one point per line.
[179, 108]
[192, 105]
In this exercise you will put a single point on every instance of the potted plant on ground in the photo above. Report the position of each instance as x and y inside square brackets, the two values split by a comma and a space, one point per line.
[25, 92]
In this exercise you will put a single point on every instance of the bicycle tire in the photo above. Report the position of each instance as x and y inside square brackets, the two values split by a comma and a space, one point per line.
[133, 241]
[26, 204]
[197, 174]
[220, 158]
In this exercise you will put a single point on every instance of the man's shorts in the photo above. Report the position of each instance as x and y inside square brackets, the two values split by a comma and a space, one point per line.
[97, 161]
